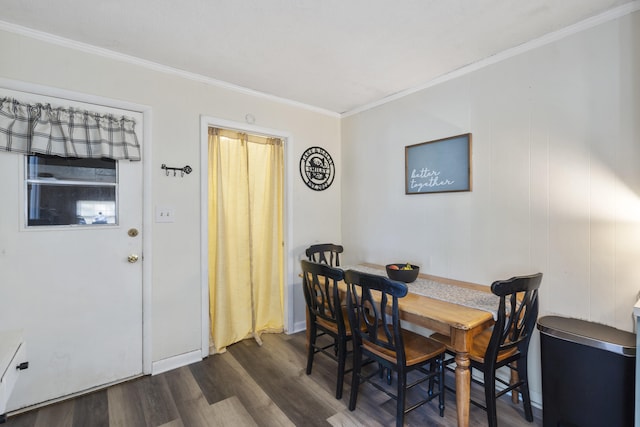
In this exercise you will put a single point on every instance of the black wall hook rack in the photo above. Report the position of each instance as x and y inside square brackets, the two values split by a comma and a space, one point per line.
[187, 169]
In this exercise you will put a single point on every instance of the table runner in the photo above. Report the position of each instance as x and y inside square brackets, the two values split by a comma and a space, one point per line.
[471, 298]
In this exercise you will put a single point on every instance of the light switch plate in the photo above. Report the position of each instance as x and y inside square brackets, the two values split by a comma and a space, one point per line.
[165, 214]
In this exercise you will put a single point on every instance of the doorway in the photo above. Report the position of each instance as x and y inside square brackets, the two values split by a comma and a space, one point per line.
[228, 280]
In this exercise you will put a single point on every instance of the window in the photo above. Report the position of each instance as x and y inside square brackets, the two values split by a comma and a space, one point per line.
[70, 191]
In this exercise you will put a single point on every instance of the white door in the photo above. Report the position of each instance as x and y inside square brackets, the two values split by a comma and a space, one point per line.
[74, 290]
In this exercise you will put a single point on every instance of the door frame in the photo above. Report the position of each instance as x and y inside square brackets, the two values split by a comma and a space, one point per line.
[146, 193]
[205, 123]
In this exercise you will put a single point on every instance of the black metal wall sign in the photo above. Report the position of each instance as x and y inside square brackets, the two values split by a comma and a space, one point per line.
[316, 168]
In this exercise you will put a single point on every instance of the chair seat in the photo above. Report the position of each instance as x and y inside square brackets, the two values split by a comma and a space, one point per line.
[479, 347]
[332, 325]
[418, 349]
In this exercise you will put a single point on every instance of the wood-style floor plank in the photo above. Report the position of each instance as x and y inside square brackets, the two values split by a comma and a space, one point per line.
[125, 409]
[281, 384]
[191, 403]
[93, 406]
[157, 401]
[24, 420]
[230, 413]
[60, 414]
[221, 376]
[353, 419]
[251, 385]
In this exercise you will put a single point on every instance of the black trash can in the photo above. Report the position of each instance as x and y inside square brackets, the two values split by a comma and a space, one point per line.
[588, 373]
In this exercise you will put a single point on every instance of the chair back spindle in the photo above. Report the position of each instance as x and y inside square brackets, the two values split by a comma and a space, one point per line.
[325, 253]
[376, 324]
[517, 314]
[320, 283]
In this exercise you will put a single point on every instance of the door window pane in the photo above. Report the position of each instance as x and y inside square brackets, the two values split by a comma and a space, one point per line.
[70, 191]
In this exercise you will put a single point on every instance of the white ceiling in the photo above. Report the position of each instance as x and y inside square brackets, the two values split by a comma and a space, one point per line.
[334, 55]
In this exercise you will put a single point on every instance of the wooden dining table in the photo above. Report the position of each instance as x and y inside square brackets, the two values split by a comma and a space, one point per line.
[461, 322]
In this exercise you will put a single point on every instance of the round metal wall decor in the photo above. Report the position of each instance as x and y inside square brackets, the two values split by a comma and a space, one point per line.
[316, 168]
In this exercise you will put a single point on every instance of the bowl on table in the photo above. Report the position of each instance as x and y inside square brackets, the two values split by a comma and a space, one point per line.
[401, 273]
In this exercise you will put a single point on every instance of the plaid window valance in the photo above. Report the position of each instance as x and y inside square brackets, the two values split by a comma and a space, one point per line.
[66, 132]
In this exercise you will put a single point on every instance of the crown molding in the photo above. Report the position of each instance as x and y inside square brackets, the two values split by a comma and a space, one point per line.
[554, 36]
[87, 48]
[588, 23]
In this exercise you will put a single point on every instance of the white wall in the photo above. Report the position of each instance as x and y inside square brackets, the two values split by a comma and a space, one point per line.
[177, 104]
[556, 178]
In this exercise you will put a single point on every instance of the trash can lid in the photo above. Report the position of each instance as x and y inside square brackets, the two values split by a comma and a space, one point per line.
[589, 333]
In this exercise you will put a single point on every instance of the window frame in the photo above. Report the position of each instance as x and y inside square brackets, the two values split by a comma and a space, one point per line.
[27, 181]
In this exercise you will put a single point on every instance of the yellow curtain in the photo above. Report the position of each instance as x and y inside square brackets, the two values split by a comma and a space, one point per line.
[246, 269]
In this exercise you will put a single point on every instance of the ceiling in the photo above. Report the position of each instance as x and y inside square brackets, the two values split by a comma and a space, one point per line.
[333, 55]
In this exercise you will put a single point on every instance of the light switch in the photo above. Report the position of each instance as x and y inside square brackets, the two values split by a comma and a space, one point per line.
[165, 214]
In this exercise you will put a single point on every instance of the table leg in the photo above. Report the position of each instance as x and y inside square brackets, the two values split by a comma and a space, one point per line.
[463, 388]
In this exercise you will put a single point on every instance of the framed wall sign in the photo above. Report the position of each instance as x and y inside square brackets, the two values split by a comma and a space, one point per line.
[439, 166]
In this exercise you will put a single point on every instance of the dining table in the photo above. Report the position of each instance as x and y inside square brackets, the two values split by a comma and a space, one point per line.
[456, 308]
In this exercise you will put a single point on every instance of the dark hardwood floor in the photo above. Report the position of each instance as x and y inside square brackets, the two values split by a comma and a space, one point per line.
[249, 386]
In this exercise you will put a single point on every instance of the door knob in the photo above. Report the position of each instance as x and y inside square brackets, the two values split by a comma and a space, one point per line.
[132, 258]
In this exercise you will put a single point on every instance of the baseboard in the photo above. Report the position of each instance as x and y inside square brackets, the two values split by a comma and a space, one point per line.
[298, 326]
[175, 362]
[536, 399]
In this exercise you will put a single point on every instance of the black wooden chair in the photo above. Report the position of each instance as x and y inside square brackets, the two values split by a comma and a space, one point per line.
[372, 303]
[325, 253]
[506, 344]
[326, 316]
